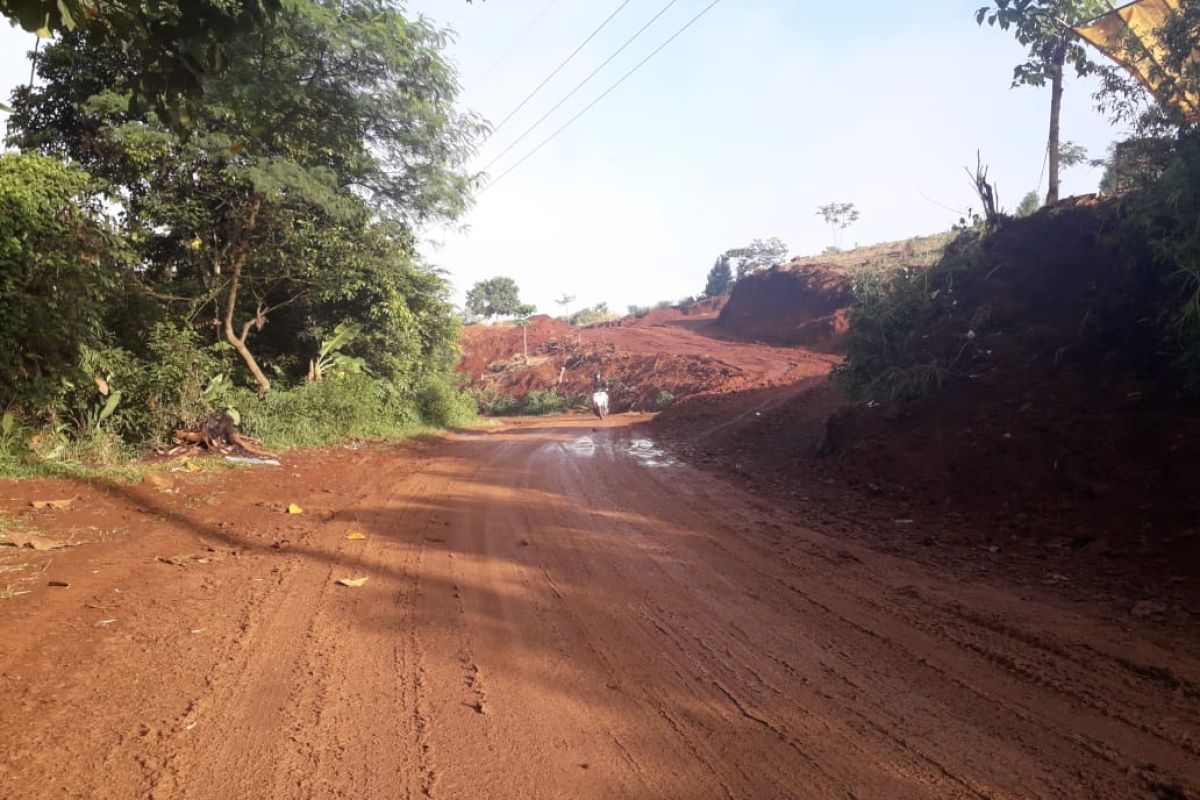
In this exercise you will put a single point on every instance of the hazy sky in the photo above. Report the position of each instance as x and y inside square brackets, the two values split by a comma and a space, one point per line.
[757, 114]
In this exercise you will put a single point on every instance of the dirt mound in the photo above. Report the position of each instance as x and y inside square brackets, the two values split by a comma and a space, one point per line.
[1058, 427]
[804, 302]
[648, 361]
[1058, 405]
[802, 305]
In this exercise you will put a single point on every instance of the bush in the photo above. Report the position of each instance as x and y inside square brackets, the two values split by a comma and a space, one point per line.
[59, 272]
[326, 412]
[664, 400]
[890, 306]
[444, 406]
[1160, 229]
[536, 403]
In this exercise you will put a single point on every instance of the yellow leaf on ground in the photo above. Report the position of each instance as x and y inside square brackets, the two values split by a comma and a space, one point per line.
[354, 582]
[295, 509]
[356, 536]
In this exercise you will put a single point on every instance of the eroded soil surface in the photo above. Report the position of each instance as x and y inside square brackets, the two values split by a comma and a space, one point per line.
[554, 609]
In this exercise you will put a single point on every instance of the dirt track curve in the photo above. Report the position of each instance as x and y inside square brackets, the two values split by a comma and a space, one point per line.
[553, 611]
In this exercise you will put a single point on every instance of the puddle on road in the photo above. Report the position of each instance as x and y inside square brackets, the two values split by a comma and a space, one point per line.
[648, 454]
[644, 451]
[583, 447]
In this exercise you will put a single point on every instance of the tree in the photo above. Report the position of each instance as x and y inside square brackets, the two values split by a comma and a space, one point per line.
[60, 271]
[1043, 27]
[720, 278]
[497, 297]
[331, 125]
[839, 217]
[759, 254]
[591, 316]
[1029, 204]
[175, 46]
[564, 303]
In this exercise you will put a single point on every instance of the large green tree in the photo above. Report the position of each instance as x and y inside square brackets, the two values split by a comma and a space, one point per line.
[174, 46]
[1043, 28]
[497, 297]
[288, 194]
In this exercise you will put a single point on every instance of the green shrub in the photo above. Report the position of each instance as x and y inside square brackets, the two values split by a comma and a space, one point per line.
[891, 304]
[542, 403]
[1160, 229]
[664, 400]
[444, 406]
[535, 404]
[326, 412]
[59, 271]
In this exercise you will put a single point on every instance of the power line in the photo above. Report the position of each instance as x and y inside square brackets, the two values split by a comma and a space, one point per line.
[579, 86]
[559, 68]
[606, 92]
[520, 37]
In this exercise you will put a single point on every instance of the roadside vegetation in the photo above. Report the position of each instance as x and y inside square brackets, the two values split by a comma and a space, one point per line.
[237, 240]
[1149, 223]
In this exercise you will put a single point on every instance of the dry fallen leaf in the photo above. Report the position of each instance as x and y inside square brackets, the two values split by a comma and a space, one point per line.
[52, 503]
[355, 536]
[354, 582]
[295, 509]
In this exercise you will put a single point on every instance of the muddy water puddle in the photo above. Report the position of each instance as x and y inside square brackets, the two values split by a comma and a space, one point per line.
[649, 454]
[644, 451]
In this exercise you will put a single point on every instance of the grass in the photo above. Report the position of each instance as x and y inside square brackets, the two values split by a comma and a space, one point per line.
[317, 414]
[920, 251]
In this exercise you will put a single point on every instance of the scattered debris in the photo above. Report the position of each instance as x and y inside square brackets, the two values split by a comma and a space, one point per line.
[352, 582]
[60, 584]
[253, 460]
[356, 536]
[102, 623]
[294, 509]
[218, 434]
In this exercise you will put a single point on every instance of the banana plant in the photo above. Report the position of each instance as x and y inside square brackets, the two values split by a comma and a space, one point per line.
[331, 359]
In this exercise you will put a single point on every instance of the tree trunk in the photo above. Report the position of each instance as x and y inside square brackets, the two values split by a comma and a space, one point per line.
[1056, 93]
[235, 280]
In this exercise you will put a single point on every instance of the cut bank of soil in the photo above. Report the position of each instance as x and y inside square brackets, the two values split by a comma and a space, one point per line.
[1059, 439]
[548, 614]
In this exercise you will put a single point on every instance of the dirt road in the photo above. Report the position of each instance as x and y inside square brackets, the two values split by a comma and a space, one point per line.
[552, 611]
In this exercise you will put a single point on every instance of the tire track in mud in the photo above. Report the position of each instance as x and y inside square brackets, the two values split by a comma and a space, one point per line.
[546, 622]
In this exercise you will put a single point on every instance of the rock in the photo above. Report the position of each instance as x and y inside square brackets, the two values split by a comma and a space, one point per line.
[1148, 608]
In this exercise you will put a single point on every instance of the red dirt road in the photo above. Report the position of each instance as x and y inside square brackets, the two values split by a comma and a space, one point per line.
[552, 611]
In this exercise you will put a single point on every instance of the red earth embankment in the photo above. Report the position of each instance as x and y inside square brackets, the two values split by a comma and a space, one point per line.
[1059, 428]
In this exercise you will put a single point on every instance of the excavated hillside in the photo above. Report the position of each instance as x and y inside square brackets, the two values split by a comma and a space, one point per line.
[804, 301]
[648, 360]
[1057, 425]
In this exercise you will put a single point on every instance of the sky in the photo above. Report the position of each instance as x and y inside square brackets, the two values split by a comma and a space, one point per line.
[739, 129]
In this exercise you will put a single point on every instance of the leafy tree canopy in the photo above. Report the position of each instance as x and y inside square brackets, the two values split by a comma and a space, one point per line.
[497, 297]
[758, 255]
[292, 186]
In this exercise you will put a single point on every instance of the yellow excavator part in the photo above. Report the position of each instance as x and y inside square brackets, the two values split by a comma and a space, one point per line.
[1129, 36]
